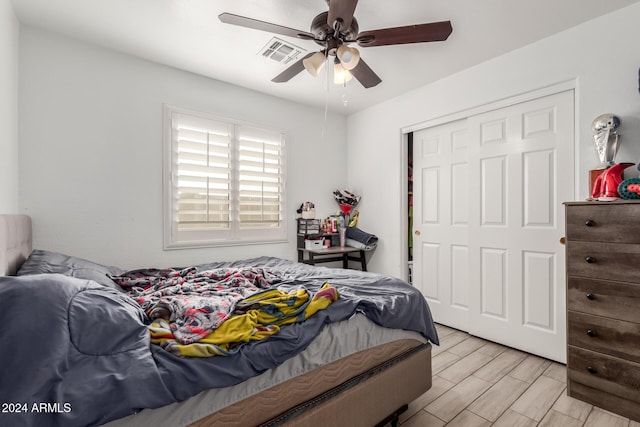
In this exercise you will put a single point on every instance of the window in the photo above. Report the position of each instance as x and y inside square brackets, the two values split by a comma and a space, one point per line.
[224, 181]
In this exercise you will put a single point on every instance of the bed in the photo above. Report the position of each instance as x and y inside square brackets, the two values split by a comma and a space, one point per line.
[80, 351]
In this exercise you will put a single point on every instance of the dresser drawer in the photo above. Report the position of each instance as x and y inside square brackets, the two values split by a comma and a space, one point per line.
[613, 261]
[603, 223]
[604, 298]
[618, 405]
[607, 373]
[604, 335]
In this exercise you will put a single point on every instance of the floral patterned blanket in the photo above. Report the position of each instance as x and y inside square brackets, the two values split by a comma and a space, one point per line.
[193, 302]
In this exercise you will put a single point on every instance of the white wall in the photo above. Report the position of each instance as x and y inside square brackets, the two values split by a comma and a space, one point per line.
[91, 150]
[601, 56]
[9, 30]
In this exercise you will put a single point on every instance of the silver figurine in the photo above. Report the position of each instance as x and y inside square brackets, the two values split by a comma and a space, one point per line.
[606, 137]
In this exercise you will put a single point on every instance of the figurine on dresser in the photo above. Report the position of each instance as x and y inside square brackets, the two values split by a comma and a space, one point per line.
[605, 188]
[606, 138]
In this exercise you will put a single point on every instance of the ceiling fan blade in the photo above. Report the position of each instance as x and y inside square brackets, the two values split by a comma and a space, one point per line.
[365, 75]
[243, 21]
[431, 32]
[341, 11]
[292, 71]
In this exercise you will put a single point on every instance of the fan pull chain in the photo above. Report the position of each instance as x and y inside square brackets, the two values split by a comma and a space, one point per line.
[345, 99]
[326, 97]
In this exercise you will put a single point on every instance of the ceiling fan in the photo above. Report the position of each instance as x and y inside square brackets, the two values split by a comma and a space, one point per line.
[334, 30]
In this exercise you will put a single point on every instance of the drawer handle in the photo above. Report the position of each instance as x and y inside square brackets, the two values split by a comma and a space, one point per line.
[590, 223]
[592, 333]
[590, 259]
[591, 296]
[592, 370]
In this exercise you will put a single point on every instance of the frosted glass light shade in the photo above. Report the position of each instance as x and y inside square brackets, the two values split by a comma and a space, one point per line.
[348, 56]
[340, 75]
[314, 63]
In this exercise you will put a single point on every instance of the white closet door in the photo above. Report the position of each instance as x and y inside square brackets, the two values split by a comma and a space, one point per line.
[488, 218]
[522, 171]
[441, 215]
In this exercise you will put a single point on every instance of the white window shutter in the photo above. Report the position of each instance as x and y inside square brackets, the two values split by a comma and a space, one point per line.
[203, 169]
[260, 173]
[225, 182]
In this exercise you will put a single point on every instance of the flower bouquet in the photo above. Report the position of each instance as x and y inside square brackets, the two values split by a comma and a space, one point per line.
[347, 201]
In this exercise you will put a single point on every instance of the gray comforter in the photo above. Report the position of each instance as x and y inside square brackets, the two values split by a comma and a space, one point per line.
[76, 352]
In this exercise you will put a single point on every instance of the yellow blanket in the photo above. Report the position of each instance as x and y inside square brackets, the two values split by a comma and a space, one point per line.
[256, 318]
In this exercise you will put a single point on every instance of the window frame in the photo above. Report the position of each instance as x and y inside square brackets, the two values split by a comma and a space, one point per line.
[235, 235]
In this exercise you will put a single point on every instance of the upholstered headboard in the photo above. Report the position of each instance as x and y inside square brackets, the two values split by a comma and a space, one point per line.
[15, 242]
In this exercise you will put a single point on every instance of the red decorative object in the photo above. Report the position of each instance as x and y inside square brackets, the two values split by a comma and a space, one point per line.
[606, 184]
[345, 209]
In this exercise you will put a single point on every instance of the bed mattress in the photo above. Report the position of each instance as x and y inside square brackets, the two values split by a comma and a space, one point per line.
[342, 351]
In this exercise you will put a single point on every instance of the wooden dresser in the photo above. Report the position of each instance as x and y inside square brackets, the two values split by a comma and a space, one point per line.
[603, 304]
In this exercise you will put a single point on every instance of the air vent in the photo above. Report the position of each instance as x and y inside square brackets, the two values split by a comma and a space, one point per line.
[281, 51]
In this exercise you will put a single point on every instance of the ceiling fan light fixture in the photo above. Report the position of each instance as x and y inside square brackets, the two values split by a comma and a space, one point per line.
[340, 75]
[314, 63]
[348, 56]
[335, 30]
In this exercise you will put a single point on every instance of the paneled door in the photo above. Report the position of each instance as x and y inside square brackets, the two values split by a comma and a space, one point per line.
[441, 212]
[523, 170]
[489, 218]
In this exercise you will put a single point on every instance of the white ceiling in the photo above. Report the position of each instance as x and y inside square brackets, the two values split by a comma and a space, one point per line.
[187, 34]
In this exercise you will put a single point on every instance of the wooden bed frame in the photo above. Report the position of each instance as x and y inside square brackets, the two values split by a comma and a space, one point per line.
[375, 396]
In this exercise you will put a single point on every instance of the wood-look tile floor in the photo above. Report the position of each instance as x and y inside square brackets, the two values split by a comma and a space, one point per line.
[478, 383]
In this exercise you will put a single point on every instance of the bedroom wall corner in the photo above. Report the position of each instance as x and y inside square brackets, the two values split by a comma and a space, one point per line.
[9, 41]
[91, 151]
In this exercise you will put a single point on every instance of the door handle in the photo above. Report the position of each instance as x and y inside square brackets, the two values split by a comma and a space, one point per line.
[417, 232]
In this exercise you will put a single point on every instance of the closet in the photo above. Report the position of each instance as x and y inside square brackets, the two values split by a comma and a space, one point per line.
[487, 215]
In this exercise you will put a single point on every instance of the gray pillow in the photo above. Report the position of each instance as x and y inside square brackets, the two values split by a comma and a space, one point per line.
[42, 262]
